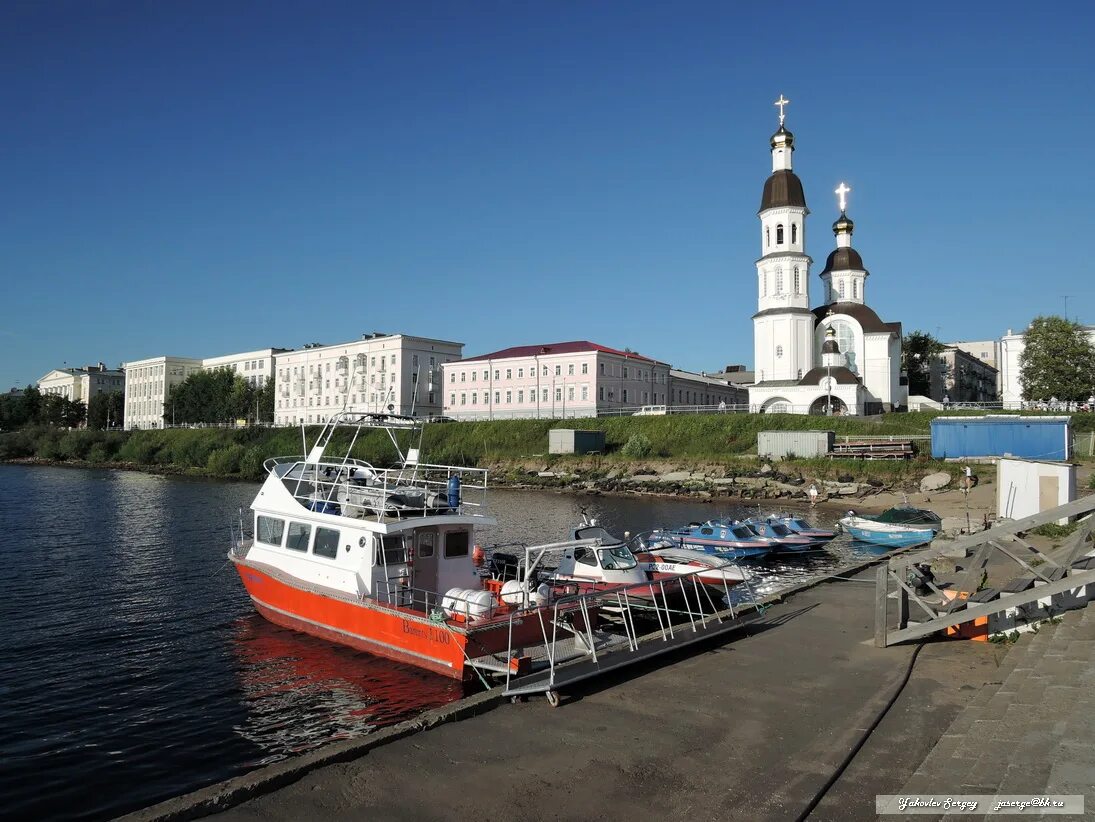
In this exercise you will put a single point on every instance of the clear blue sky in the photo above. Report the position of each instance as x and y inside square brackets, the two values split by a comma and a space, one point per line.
[202, 178]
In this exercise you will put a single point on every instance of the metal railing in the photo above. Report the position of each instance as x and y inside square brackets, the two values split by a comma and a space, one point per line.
[355, 488]
[672, 609]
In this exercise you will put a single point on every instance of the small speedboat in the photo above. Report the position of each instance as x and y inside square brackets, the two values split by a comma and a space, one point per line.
[803, 528]
[726, 540]
[665, 559]
[899, 527]
[784, 540]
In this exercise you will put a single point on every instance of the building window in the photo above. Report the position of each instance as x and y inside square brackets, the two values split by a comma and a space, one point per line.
[520, 373]
[545, 370]
[509, 397]
[520, 397]
[452, 377]
[509, 373]
[840, 288]
[559, 394]
[624, 397]
[779, 280]
[779, 234]
[473, 376]
[855, 289]
[767, 237]
[558, 371]
[764, 284]
[798, 281]
[585, 392]
[463, 399]
[602, 370]
[463, 376]
[794, 232]
[474, 398]
[585, 368]
[452, 399]
[496, 373]
[545, 395]
[570, 370]
[625, 372]
[779, 350]
[497, 397]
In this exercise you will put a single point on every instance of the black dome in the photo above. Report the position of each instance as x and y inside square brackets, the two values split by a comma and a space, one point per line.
[842, 259]
[783, 188]
[830, 347]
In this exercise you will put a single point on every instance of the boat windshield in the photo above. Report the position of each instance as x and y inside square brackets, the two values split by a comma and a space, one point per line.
[617, 558]
[741, 532]
[801, 525]
[779, 530]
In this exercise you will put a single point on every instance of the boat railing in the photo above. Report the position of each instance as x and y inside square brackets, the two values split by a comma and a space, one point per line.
[357, 489]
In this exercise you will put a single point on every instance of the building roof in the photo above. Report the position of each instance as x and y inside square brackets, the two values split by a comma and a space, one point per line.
[862, 314]
[787, 309]
[783, 188]
[839, 373]
[573, 347]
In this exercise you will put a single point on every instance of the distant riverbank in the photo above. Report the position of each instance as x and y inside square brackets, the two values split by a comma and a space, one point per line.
[711, 455]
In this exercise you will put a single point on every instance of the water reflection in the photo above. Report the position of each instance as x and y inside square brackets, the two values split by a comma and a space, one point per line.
[301, 692]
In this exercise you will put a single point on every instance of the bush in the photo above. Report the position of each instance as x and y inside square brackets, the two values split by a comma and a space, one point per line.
[225, 461]
[75, 445]
[637, 446]
[98, 453]
[1055, 531]
[140, 448]
[251, 462]
[16, 444]
[1091, 482]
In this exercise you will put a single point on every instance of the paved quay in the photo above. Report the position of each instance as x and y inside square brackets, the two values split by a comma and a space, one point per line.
[1030, 733]
[747, 729]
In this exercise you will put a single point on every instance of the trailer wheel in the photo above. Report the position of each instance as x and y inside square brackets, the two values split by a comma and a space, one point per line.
[553, 699]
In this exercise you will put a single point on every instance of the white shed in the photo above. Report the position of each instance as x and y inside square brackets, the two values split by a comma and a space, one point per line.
[1028, 487]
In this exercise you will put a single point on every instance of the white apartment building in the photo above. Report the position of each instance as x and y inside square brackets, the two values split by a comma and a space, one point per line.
[394, 373]
[149, 382]
[148, 385]
[256, 367]
[569, 379]
[82, 383]
[1011, 351]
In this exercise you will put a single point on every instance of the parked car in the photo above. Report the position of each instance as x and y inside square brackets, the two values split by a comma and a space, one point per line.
[651, 410]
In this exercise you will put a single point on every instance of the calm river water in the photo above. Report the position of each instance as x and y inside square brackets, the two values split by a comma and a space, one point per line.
[133, 669]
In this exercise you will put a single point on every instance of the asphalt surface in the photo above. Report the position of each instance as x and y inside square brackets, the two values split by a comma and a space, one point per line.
[747, 728]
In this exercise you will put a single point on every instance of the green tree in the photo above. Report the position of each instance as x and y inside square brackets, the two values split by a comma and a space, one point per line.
[264, 397]
[918, 349]
[73, 413]
[1058, 360]
[105, 411]
[219, 395]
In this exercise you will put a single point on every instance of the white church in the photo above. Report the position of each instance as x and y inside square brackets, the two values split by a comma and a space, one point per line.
[838, 358]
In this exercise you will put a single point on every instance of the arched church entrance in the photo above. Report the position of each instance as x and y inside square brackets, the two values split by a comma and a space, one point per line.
[777, 405]
[818, 407]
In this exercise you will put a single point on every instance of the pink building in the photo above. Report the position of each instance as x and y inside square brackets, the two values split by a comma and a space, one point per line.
[568, 379]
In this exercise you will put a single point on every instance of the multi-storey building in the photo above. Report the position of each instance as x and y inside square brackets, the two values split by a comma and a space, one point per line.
[394, 373]
[148, 387]
[569, 379]
[82, 383]
[1011, 353]
[959, 376]
[705, 390]
[256, 367]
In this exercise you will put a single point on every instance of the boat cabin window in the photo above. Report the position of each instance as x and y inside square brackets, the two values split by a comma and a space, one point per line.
[393, 551]
[707, 531]
[741, 532]
[326, 544]
[585, 556]
[269, 530]
[456, 544]
[779, 530]
[802, 526]
[426, 545]
[297, 539]
[617, 558]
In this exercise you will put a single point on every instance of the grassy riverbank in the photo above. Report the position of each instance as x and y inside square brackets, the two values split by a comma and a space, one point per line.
[511, 447]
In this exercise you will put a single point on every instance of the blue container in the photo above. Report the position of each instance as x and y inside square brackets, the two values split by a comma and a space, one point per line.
[999, 435]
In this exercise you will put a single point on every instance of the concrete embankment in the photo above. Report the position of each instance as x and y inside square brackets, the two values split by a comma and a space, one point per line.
[746, 728]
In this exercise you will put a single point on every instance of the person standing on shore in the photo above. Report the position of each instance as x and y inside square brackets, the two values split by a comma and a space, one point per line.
[813, 494]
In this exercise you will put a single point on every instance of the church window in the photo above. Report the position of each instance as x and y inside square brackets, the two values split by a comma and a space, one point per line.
[855, 289]
[767, 237]
[840, 288]
[779, 234]
[779, 280]
[764, 284]
[798, 282]
[779, 350]
[794, 232]
[799, 374]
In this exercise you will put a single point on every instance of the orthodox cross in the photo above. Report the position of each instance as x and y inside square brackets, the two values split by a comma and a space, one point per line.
[841, 191]
[781, 102]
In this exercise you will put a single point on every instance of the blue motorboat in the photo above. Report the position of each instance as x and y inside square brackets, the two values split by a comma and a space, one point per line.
[900, 527]
[800, 526]
[724, 539]
[784, 540]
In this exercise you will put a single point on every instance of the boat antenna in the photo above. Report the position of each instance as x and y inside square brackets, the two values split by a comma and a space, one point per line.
[303, 439]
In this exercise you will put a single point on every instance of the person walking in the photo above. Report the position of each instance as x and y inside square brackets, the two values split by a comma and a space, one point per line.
[813, 494]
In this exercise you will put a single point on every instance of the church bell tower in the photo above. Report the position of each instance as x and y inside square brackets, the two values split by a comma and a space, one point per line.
[783, 327]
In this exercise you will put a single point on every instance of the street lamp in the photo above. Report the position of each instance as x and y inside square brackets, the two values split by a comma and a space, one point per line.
[829, 352]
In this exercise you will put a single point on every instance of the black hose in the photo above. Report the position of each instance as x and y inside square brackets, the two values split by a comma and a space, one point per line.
[863, 737]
